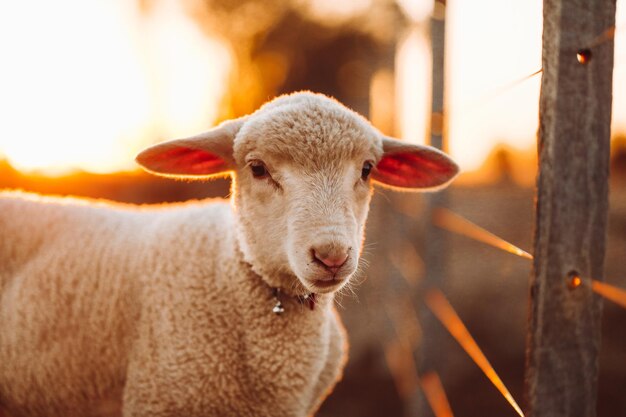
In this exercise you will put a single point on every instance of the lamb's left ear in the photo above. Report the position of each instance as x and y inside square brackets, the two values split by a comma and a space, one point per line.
[209, 153]
[409, 166]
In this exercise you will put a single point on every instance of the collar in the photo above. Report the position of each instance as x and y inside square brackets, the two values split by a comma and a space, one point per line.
[310, 299]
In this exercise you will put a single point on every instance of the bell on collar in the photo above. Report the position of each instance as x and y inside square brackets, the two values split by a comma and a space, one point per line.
[278, 308]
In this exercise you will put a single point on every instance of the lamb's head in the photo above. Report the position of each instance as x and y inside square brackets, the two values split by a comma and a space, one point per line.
[304, 166]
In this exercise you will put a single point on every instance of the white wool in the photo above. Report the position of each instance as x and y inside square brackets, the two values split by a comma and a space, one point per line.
[112, 309]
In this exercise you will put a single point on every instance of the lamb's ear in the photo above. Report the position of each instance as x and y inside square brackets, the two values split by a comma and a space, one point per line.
[413, 167]
[209, 153]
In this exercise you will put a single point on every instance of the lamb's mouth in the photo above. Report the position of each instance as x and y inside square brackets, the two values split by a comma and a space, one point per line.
[326, 286]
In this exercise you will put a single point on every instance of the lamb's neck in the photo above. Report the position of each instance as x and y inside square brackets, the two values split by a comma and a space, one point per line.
[276, 287]
[284, 293]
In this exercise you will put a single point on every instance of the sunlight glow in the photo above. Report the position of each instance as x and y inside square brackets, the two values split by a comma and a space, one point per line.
[417, 10]
[442, 309]
[610, 292]
[492, 49]
[335, 10]
[575, 282]
[413, 86]
[87, 83]
[435, 395]
[491, 43]
[618, 119]
[451, 221]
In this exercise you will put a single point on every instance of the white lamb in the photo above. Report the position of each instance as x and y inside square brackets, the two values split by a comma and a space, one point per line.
[207, 308]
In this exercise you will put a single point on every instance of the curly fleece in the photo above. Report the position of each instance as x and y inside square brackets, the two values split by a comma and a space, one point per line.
[101, 301]
[109, 309]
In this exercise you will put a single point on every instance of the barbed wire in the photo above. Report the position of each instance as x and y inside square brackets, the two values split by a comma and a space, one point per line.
[436, 301]
[583, 54]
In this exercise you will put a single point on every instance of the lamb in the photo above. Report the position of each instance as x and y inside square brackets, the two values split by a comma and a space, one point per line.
[205, 308]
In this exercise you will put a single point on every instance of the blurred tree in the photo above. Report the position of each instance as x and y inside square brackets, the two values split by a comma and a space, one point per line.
[289, 45]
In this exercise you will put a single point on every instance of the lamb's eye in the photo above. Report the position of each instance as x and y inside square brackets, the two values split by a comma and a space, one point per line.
[258, 169]
[366, 170]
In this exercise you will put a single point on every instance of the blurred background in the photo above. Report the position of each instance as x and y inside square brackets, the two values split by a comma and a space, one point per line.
[86, 84]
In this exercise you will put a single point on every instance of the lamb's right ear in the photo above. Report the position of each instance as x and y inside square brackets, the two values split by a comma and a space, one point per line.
[206, 154]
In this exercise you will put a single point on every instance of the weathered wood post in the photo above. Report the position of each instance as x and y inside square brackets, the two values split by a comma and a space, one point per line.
[572, 204]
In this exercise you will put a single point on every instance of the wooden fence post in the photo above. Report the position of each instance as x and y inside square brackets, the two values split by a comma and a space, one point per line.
[572, 205]
[430, 354]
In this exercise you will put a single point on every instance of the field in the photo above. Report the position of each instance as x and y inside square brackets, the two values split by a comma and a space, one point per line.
[488, 288]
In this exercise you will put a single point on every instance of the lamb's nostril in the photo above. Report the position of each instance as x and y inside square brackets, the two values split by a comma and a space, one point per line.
[331, 261]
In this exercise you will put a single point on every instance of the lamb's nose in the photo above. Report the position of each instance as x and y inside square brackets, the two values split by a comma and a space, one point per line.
[331, 260]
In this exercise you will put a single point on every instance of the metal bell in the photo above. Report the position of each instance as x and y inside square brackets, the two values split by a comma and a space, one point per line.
[278, 308]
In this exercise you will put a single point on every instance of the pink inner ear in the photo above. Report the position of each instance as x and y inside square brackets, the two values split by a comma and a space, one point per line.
[414, 170]
[185, 161]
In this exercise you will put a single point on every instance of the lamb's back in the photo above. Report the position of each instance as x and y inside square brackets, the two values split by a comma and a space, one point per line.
[34, 226]
[72, 274]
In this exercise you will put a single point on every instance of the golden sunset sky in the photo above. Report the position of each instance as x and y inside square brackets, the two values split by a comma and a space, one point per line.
[85, 84]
